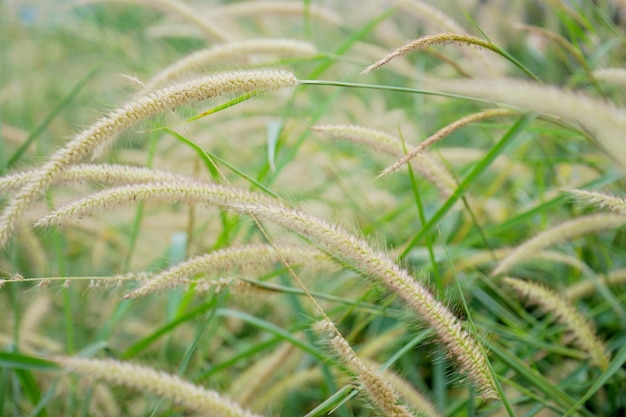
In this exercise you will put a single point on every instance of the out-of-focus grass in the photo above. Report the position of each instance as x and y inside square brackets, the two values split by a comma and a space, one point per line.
[62, 66]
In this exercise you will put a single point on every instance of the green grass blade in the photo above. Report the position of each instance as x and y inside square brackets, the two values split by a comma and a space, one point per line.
[615, 366]
[469, 179]
[51, 116]
[25, 362]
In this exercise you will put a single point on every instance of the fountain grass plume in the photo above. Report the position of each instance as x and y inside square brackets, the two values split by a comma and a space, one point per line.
[277, 7]
[585, 288]
[184, 393]
[446, 131]
[257, 256]
[205, 23]
[107, 128]
[382, 141]
[96, 173]
[576, 323]
[611, 75]
[604, 121]
[560, 233]
[210, 56]
[374, 386]
[431, 40]
[611, 203]
[460, 344]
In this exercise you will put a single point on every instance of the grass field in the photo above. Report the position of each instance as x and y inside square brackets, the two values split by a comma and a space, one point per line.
[304, 208]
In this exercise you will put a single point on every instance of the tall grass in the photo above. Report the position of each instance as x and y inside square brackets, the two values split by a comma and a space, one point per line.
[184, 230]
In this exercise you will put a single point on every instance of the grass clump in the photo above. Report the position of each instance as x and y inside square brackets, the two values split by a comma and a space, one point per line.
[206, 257]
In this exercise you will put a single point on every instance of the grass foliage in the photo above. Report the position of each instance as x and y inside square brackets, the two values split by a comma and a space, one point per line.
[257, 208]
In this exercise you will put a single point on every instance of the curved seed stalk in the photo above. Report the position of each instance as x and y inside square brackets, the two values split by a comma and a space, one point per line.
[107, 128]
[559, 233]
[460, 344]
[576, 323]
[446, 131]
[190, 396]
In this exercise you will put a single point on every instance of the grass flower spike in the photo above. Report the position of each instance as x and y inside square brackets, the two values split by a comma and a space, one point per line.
[611, 203]
[251, 256]
[190, 396]
[576, 323]
[560, 233]
[107, 128]
[215, 54]
[427, 41]
[604, 121]
[187, 186]
[96, 173]
[433, 170]
[376, 388]
[461, 346]
[446, 131]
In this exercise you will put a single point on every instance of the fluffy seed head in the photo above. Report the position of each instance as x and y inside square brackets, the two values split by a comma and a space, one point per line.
[576, 323]
[188, 395]
[559, 233]
[121, 119]
[427, 41]
[460, 344]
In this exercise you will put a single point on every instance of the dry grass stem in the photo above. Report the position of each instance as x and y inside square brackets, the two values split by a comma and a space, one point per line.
[446, 131]
[107, 128]
[379, 392]
[190, 396]
[461, 346]
[560, 233]
[608, 202]
[258, 257]
[575, 322]
[428, 166]
[428, 41]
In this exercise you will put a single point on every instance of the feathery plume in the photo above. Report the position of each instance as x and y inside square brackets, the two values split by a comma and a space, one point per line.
[336, 240]
[576, 323]
[373, 384]
[413, 398]
[559, 233]
[250, 256]
[100, 173]
[249, 384]
[612, 203]
[447, 131]
[430, 14]
[611, 75]
[586, 288]
[437, 19]
[605, 122]
[429, 166]
[107, 128]
[204, 23]
[427, 41]
[258, 8]
[190, 396]
[204, 57]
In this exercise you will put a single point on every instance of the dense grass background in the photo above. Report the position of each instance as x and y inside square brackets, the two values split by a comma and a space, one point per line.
[64, 65]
